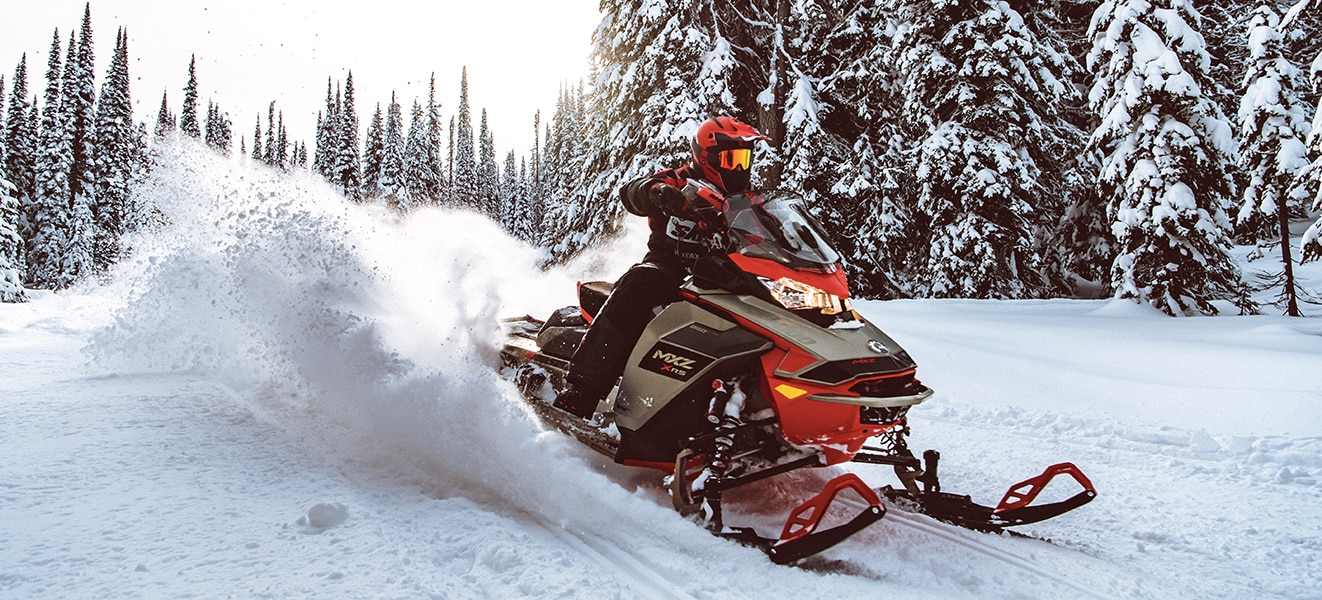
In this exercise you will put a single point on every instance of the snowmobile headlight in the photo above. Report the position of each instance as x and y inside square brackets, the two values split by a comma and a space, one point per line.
[796, 295]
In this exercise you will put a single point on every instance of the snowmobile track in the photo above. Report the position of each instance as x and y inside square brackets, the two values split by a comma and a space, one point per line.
[937, 529]
[644, 580]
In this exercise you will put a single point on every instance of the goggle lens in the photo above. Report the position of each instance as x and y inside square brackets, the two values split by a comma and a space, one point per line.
[738, 158]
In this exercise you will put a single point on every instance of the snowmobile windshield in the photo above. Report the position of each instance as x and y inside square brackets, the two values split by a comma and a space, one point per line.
[776, 226]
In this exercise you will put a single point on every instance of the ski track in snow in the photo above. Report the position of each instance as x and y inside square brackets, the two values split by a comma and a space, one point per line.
[288, 397]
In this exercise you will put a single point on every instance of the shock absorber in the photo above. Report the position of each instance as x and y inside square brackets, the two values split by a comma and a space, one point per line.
[723, 413]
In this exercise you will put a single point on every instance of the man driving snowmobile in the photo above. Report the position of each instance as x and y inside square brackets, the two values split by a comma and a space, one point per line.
[722, 157]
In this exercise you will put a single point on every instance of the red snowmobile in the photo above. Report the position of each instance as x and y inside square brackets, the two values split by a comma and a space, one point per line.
[761, 368]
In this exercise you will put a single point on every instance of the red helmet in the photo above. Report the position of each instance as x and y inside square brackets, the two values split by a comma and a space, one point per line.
[723, 151]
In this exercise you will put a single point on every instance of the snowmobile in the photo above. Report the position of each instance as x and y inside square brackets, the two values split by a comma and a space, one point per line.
[760, 368]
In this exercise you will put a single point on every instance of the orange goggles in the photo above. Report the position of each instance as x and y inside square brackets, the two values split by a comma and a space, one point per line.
[738, 158]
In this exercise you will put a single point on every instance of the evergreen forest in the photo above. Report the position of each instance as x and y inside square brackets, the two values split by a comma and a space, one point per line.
[951, 149]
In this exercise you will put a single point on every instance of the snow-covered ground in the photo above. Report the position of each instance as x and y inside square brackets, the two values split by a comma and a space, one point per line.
[283, 396]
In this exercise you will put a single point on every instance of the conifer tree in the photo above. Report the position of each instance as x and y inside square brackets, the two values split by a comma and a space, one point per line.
[392, 153]
[11, 246]
[1273, 153]
[348, 163]
[833, 85]
[269, 154]
[282, 160]
[417, 173]
[980, 95]
[79, 97]
[507, 199]
[1167, 153]
[373, 155]
[257, 154]
[188, 122]
[466, 192]
[75, 259]
[114, 155]
[530, 229]
[50, 207]
[435, 169]
[527, 210]
[4, 140]
[221, 130]
[660, 74]
[323, 156]
[165, 121]
[488, 173]
[20, 138]
[1299, 16]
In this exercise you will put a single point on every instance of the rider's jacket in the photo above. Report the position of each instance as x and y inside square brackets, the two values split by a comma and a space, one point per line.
[679, 237]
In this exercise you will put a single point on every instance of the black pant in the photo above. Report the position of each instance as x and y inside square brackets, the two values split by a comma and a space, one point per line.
[599, 360]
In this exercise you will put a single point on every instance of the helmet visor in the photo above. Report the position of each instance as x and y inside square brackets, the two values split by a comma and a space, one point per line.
[735, 158]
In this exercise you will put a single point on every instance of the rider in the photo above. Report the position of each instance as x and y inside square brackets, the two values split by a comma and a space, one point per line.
[722, 158]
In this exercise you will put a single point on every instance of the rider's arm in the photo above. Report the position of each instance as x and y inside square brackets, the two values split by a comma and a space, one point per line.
[644, 197]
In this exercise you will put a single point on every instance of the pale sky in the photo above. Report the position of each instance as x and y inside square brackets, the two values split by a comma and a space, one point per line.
[250, 52]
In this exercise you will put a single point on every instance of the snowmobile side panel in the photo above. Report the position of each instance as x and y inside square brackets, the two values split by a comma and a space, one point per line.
[664, 395]
[682, 345]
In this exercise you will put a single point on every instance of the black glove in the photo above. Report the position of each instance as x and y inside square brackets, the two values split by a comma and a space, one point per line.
[667, 197]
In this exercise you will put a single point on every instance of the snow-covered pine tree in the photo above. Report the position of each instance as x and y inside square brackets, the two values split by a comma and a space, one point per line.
[11, 246]
[488, 173]
[348, 164]
[219, 130]
[75, 262]
[50, 203]
[323, 154]
[269, 153]
[448, 169]
[374, 146]
[465, 191]
[257, 154]
[416, 177]
[530, 228]
[1165, 174]
[663, 68]
[437, 182]
[209, 128]
[1273, 131]
[114, 157]
[508, 196]
[839, 103]
[282, 158]
[554, 206]
[165, 121]
[79, 93]
[4, 140]
[20, 140]
[1310, 246]
[527, 217]
[392, 156]
[981, 92]
[188, 123]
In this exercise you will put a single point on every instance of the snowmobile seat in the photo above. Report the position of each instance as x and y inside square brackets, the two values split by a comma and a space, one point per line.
[561, 334]
[592, 296]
